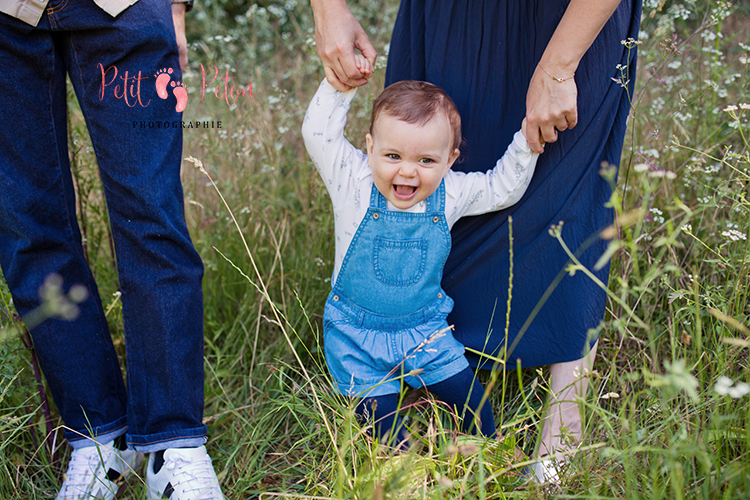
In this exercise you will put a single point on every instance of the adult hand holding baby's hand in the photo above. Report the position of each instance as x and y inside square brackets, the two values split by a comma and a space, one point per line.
[363, 65]
[337, 35]
[551, 105]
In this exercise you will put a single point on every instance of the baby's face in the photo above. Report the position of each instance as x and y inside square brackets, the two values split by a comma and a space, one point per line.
[408, 161]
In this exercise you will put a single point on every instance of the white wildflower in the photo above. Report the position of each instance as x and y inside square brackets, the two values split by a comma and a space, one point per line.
[731, 78]
[734, 235]
[612, 395]
[679, 11]
[712, 169]
[708, 35]
[656, 214]
[739, 390]
[662, 173]
[725, 387]
[722, 385]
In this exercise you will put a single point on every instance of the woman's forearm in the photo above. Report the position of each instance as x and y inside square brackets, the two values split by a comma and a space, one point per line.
[579, 27]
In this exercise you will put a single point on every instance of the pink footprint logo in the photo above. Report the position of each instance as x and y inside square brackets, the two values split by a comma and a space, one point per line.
[180, 92]
[162, 80]
[163, 77]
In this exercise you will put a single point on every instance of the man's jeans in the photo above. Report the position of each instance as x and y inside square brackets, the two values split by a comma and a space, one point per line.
[160, 271]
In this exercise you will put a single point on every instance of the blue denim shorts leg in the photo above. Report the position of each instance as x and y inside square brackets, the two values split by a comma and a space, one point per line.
[368, 361]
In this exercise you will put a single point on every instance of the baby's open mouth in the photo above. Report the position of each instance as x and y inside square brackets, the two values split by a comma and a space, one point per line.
[404, 191]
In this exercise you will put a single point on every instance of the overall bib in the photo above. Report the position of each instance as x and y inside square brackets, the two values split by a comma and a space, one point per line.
[385, 316]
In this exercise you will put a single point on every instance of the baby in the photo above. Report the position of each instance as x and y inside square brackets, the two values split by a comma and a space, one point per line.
[385, 318]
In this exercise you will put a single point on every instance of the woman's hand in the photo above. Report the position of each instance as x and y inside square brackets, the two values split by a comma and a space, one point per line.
[337, 34]
[551, 106]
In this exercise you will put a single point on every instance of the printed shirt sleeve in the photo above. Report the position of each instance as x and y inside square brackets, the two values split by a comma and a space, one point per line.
[337, 161]
[477, 193]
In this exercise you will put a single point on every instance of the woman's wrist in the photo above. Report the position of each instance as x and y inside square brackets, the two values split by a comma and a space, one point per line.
[321, 7]
[555, 77]
[559, 64]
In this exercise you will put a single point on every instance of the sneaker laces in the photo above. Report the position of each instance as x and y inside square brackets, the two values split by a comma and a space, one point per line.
[194, 474]
[83, 464]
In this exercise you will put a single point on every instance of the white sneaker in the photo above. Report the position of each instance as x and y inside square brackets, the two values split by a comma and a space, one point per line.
[546, 471]
[97, 472]
[183, 474]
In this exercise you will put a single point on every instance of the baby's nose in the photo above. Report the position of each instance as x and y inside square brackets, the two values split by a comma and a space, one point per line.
[408, 169]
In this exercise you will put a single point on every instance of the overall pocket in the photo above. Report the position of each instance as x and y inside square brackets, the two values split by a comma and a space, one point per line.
[399, 262]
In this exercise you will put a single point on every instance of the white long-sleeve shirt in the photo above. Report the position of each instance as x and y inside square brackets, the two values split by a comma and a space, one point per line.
[348, 177]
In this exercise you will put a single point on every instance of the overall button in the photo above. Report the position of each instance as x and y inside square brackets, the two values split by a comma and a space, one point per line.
[435, 219]
[376, 215]
[440, 295]
[335, 297]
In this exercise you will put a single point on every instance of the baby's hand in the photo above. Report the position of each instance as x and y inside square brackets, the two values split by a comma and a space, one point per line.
[523, 131]
[363, 65]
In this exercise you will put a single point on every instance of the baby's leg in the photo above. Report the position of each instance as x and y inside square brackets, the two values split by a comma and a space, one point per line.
[463, 392]
[382, 411]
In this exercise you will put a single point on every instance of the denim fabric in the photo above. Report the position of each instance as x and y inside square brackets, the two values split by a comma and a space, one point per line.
[160, 271]
[461, 392]
[385, 315]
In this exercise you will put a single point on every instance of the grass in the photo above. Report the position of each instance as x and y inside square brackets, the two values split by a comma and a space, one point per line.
[660, 423]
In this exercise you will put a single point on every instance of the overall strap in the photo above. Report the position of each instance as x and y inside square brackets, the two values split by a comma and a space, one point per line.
[377, 200]
[436, 201]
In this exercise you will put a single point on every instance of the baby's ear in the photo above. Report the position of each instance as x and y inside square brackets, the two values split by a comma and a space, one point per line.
[370, 143]
[453, 157]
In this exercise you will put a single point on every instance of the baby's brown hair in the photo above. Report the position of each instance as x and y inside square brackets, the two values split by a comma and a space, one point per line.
[417, 103]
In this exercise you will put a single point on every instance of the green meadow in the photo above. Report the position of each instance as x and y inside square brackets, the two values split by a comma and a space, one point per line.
[668, 411]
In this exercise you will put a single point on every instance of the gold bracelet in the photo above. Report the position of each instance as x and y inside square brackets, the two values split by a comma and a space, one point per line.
[556, 78]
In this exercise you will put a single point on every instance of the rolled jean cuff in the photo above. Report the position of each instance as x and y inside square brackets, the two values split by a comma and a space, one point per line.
[96, 435]
[184, 438]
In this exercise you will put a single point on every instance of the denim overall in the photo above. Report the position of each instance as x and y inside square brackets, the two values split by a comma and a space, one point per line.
[385, 315]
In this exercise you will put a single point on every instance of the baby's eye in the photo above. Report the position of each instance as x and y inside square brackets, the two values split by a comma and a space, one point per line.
[393, 156]
[426, 161]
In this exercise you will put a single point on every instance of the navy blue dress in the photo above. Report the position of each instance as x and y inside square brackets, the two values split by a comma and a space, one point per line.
[483, 53]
